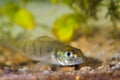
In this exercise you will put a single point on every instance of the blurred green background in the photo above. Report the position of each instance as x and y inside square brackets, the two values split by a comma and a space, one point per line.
[64, 19]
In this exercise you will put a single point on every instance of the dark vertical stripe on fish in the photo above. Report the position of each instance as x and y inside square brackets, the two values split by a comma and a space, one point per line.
[33, 45]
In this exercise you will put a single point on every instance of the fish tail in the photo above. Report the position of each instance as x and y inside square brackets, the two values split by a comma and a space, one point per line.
[11, 44]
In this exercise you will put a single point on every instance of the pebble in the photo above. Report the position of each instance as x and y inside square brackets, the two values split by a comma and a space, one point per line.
[116, 66]
[77, 78]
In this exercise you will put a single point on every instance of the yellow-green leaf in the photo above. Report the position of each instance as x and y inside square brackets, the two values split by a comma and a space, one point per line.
[54, 1]
[25, 19]
[65, 26]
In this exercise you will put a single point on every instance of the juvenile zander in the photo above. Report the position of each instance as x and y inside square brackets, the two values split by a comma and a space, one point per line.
[50, 51]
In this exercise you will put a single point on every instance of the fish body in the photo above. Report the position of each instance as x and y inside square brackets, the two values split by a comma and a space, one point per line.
[50, 51]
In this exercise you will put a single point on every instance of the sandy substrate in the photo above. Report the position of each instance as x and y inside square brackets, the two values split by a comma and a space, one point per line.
[85, 73]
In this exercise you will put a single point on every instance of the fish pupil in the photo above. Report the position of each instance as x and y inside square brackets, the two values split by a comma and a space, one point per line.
[68, 53]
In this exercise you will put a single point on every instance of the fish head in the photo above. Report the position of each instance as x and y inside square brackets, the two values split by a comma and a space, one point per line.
[69, 56]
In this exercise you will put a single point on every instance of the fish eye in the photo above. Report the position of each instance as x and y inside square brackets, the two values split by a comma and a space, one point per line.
[69, 54]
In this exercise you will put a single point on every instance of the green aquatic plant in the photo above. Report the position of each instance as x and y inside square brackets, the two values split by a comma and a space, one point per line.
[88, 10]
[14, 16]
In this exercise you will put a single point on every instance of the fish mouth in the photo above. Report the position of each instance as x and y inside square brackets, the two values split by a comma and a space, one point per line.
[77, 61]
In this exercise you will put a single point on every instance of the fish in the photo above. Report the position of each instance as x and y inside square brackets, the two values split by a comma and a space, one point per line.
[48, 50]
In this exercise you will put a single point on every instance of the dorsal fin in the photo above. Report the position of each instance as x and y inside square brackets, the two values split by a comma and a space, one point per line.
[45, 38]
